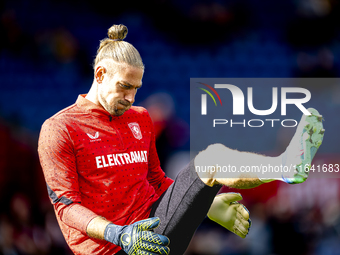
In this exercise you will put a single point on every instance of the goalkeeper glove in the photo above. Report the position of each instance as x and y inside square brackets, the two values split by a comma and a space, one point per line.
[137, 238]
[226, 211]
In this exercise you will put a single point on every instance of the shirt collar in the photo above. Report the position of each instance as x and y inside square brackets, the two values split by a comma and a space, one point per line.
[89, 106]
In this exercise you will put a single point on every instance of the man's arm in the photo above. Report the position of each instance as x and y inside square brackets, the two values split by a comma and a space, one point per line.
[57, 158]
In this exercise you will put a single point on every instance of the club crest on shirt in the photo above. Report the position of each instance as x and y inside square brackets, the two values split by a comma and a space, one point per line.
[135, 130]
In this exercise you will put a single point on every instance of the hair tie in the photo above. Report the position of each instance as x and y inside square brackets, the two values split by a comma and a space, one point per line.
[116, 40]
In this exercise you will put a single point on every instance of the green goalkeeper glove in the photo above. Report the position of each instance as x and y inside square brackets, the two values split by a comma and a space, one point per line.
[226, 211]
[138, 239]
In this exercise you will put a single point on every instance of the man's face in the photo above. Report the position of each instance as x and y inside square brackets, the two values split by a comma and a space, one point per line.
[116, 93]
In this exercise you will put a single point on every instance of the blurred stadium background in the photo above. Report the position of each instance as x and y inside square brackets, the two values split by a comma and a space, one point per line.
[46, 53]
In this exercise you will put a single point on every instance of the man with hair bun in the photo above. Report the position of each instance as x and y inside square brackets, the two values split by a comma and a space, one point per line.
[104, 178]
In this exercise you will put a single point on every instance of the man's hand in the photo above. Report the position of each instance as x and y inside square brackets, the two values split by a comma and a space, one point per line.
[138, 238]
[226, 211]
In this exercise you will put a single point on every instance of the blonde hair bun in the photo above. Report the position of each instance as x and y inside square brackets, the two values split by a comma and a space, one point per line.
[117, 32]
[116, 49]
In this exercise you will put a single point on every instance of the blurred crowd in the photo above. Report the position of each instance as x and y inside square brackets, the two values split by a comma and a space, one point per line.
[46, 55]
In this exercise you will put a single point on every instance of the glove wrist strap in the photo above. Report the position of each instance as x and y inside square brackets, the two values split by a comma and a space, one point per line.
[112, 233]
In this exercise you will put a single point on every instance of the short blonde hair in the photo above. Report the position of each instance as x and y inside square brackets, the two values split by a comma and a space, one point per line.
[118, 50]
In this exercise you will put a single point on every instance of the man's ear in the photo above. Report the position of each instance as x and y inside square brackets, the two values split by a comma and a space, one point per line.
[99, 74]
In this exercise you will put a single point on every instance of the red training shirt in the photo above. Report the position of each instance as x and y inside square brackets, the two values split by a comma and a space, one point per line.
[98, 164]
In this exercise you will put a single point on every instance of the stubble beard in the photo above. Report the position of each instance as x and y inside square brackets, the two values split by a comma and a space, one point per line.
[113, 110]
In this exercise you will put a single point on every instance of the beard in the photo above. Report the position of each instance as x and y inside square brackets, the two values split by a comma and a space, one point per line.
[113, 109]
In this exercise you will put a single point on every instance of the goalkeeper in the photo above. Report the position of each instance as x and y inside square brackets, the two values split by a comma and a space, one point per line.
[104, 178]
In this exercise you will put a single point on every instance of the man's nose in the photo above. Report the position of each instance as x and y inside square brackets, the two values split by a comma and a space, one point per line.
[130, 96]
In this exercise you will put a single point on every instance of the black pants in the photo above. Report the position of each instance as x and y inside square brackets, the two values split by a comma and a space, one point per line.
[182, 208]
